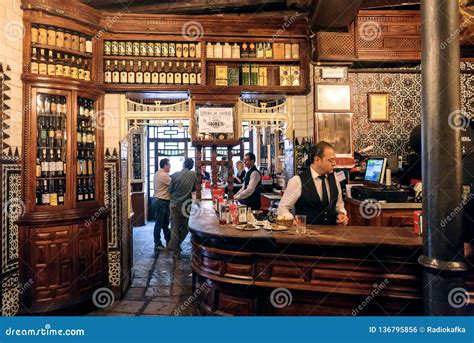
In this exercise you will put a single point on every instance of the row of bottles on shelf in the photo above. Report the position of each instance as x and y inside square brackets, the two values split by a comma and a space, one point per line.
[51, 131]
[60, 65]
[50, 163]
[165, 73]
[85, 190]
[61, 38]
[50, 104]
[50, 192]
[85, 163]
[253, 50]
[152, 49]
[255, 75]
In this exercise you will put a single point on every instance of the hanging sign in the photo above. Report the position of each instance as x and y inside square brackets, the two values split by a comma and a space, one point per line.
[216, 120]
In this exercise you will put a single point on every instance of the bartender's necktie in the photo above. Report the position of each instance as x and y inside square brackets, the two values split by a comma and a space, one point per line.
[325, 198]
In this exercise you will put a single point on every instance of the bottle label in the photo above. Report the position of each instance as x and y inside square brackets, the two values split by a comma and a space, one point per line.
[45, 198]
[59, 166]
[34, 68]
[53, 199]
[51, 69]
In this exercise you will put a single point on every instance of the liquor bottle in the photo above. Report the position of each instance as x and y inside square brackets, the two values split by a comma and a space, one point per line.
[62, 102]
[116, 73]
[185, 75]
[121, 48]
[147, 73]
[59, 163]
[80, 191]
[44, 164]
[268, 50]
[51, 164]
[227, 51]
[198, 74]
[170, 74]
[59, 65]
[198, 49]
[114, 48]
[136, 49]
[164, 49]
[90, 164]
[192, 75]
[89, 45]
[53, 194]
[60, 192]
[155, 75]
[51, 64]
[179, 50]
[85, 166]
[84, 134]
[185, 50]
[218, 50]
[252, 50]
[44, 193]
[87, 71]
[47, 105]
[131, 73]
[157, 49]
[66, 67]
[123, 73]
[244, 52]
[150, 49]
[143, 49]
[192, 50]
[139, 73]
[85, 191]
[177, 75]
[129, 48]
[74, 71]
[108, 72]
[209, 50]
[91, 189]
[171, 50]
[80, 103]
[163, 74]
[260, 50]
[42, 66]
[107, 48]
[80, 69]
[38, 165]
[34, 62]
[38, 193]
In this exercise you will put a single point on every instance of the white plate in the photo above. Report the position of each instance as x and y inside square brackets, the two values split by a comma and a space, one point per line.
[276, 228]
[241, 227]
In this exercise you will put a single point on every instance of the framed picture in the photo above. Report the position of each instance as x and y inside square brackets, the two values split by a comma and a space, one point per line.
[333, 97]
[336, 128]
[378, 106]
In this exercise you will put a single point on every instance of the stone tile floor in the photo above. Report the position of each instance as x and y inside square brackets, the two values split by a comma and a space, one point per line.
[161, 284]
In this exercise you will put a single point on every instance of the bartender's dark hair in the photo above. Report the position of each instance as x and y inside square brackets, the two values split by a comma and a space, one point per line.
[251, 155]
[164, 162]
[317, 150]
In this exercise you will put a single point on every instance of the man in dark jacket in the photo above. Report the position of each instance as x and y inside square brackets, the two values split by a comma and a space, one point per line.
[249, 194]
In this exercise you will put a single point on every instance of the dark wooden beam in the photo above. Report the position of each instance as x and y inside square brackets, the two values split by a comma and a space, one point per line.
[368, 4]
[333, 14]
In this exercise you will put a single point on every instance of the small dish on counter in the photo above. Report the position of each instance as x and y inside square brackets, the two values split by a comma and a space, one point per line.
[275, 227]
[247, 227]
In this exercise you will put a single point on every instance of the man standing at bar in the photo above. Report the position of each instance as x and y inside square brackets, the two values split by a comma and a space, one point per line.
[249, 194]
[183, 183]
[161, 203]
[316, 193]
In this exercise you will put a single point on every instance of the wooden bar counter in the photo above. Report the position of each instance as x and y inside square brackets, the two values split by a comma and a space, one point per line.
[331, 270]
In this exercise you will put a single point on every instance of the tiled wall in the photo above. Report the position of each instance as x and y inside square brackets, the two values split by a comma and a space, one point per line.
[11, 40]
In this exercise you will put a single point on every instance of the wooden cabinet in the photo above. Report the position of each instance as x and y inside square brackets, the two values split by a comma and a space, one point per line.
[62, 232]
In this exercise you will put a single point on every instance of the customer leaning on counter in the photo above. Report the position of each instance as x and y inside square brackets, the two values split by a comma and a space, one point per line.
[316, 192]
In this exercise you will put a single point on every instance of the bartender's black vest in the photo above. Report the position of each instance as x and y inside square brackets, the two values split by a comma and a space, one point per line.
[310, 203]
[253, 201]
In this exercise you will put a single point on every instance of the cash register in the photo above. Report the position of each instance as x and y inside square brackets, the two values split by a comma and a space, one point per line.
[373, 185]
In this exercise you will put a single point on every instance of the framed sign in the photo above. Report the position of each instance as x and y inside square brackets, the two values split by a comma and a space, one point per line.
[378, 106]
[333, 98]
[216, 120]
[336, 129]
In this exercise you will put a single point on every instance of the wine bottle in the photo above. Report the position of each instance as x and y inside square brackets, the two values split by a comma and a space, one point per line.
[53, 195]
[74, 71]
[116, 73]
[163, 74]
[123, 73]
[42, 66]
[131, 73]
[34, 62]
[38, 193]
[177, 75]
[51, 64]
[108, 72]
[139, 73]
[155, 76]
[44, 164]
[60, 192]
[66, 67]
[147, 73]
[44, 193]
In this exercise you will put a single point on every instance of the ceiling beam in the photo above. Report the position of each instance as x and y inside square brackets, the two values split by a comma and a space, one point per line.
[333, 14]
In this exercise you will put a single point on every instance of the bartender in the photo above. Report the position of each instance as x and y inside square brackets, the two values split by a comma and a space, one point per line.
[315, 192]
[249, 194]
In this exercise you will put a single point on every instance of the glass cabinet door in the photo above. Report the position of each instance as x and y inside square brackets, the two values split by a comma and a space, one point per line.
[51, 147]
[86, 150]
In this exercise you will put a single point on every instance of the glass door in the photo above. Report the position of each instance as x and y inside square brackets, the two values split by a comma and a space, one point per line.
[86, 150]
[51, 116]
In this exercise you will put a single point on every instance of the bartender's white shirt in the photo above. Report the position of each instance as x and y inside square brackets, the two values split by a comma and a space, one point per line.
[245, 192]
[293, 193]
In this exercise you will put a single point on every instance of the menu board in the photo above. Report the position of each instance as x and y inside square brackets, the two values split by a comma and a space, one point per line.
[216, 120]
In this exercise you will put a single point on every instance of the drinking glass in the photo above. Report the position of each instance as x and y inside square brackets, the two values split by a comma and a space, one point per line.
[300, 223]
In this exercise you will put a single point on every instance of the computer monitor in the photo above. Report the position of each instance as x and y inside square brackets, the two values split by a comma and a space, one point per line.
[375, 171]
